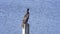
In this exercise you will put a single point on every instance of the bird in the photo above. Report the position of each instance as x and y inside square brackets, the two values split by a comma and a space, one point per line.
[26, 17]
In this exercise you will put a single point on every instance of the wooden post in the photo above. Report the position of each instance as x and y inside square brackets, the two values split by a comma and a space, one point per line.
[25, 29]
